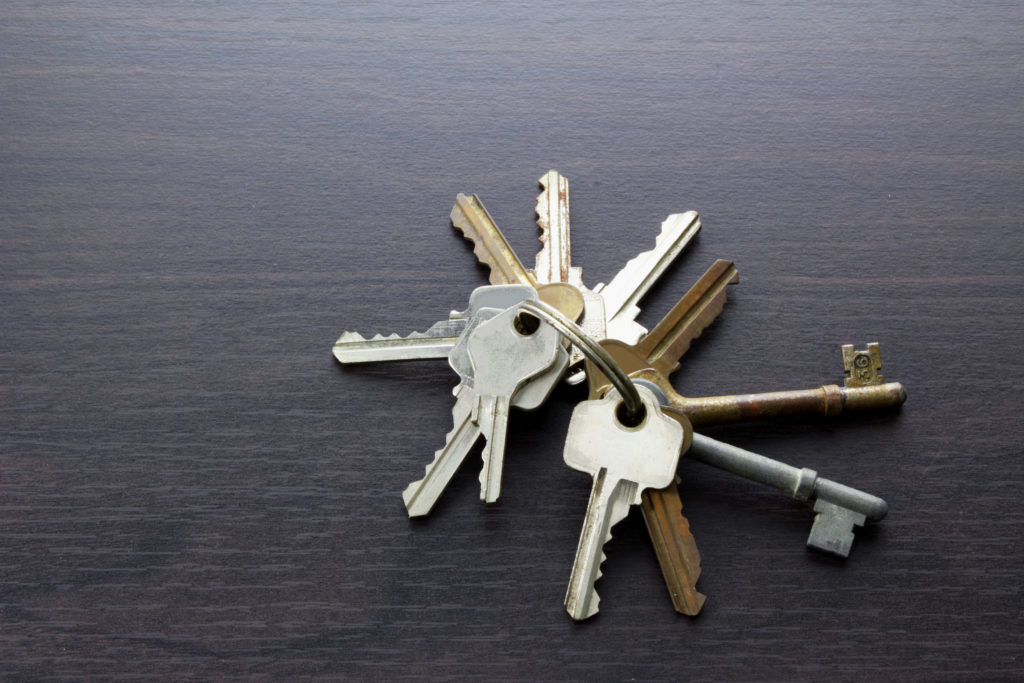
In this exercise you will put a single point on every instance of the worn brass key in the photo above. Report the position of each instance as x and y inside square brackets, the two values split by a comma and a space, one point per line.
[491, 248]
[657, 355]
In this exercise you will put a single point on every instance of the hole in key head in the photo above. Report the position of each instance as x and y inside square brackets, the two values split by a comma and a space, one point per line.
[526, 324]
[630, 421]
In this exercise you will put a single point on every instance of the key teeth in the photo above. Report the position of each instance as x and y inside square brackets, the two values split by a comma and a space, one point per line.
[461, 223]
[690, 217]
[592, 605]
[408, 495]
[541, 209]
[356, 338]
[666, 228]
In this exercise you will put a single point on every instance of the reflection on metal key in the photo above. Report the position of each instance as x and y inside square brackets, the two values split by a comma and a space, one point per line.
[624, 460]
[504, 359]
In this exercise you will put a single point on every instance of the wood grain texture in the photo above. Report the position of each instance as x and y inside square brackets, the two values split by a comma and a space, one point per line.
[197, 198]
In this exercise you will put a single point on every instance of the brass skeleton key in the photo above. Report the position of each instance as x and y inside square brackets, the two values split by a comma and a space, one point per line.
[828, 401]
[657, 354]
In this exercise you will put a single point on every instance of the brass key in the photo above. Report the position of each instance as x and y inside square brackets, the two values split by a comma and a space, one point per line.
[828, 400]
[662, 347]
[657, 354]
[675, 547]
[491, 248]
[669, 529]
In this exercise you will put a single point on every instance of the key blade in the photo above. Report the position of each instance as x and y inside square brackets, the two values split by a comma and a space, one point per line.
[640, 273]
[421, 496]
[554, 260]
[670, 339]
[675, 547]
[492, 418]
[610, 500]
[436, 342]
[490, 246]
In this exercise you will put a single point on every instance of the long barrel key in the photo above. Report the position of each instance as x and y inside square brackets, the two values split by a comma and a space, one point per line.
[838, 508]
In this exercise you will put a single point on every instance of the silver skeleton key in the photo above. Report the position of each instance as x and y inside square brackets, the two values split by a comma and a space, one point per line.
[838, 508]
[436, 342]
[503, 364]
[609, 310]
[623, 462]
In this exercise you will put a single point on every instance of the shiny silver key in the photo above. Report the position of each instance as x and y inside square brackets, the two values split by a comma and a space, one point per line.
[421, 496]
[505, 355]
[638, 275]
[436, 342]
[623, 461]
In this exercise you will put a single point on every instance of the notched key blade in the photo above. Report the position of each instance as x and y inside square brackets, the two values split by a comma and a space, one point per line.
[610, 500]
[675, 547]
[490, 246]
[420, 496]
[554, 260]
[670, 339]
[632, 282]
[436, 342]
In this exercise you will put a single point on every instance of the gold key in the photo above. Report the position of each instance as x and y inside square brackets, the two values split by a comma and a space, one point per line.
[669, 529]
[663, 346]
[492, 249]
[656, 355]
[674, 546]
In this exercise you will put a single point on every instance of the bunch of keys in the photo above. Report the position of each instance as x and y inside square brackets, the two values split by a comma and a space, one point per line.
[519, 337]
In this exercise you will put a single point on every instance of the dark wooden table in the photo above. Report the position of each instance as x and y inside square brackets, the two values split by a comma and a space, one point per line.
[197, 198]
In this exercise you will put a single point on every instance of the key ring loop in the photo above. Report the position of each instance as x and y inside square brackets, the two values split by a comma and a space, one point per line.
[591, 349]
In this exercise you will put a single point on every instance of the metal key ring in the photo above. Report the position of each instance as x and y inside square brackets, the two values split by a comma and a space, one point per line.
[590, 349]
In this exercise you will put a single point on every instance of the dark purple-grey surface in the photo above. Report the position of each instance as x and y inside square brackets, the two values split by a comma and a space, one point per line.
[197, 198]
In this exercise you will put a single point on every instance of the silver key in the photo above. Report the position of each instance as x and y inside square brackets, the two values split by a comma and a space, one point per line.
[484, 304]
[609, 310]
[531, 395]
[504, 358]
[436, 342]
[838, 508]
[421, 496]
[554, 260]
[623, 461]
[640, 273]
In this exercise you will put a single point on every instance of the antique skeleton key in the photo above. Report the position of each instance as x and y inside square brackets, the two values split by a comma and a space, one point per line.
[829, 400]
[657, 354]
[838, 508]
[624, 459]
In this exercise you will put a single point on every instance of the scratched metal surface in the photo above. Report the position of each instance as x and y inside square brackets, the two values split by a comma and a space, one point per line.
[197, 198]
